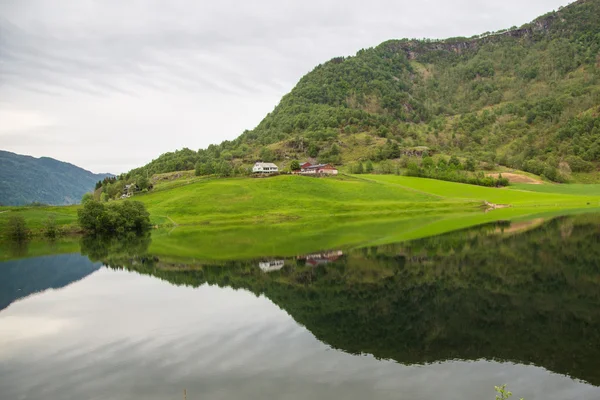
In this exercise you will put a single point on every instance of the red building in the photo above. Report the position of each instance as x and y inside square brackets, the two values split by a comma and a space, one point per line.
[324, 169]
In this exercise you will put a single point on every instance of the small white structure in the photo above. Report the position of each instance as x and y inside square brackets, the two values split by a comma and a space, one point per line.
[273, 265]
[264, 168]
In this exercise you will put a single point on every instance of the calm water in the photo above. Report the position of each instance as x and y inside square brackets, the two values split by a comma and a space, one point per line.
[440, 318]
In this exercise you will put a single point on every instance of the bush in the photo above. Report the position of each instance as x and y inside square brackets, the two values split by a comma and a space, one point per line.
[117, 218]
[578, 164]
[471, 164]
[50, 228]
[17, 228]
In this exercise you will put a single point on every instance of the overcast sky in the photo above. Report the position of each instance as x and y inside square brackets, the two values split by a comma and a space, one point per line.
[111, 84]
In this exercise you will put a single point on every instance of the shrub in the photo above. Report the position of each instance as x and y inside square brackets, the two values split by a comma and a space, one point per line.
[578, 164]
[470, 164]
[117, 218]
[50, 228]
[17, 228]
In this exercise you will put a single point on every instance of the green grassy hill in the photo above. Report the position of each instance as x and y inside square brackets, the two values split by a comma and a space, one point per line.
[525, 98]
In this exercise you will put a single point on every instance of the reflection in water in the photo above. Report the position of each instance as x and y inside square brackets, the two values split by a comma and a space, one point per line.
[21, 278]
[272, 265]
[517, 294]
[18, 248]
[322, 258]
[523, 292]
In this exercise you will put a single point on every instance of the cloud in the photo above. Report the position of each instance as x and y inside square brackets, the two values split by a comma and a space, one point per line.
[229, 58]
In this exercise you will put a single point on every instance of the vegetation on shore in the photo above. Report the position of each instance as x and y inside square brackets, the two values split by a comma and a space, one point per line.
[116, 218]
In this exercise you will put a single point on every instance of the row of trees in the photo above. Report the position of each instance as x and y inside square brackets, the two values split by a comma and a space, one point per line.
[444, 169]
[18, 231]
[452, 174]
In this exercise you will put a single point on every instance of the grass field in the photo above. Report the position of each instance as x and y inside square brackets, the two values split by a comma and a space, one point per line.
[574, 189]
[286, 215]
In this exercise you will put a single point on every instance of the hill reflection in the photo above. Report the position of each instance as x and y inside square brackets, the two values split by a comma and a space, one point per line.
[527, 292]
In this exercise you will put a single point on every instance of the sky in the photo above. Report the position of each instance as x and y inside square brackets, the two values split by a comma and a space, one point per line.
[109, 85]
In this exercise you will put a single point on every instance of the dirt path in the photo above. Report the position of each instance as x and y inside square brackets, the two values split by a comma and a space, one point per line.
[516, 178]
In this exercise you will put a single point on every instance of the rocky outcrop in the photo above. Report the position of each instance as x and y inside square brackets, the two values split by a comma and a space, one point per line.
[414, 49]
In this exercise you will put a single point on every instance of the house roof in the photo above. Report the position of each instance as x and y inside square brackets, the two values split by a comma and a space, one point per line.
[264, 164]
[320, 166]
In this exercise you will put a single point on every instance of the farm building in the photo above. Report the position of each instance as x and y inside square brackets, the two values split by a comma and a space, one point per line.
[326, 169]
[264, 168]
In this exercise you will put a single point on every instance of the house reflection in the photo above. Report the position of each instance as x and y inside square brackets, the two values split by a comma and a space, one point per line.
[321, 258]
[272, 265]
[307, 259]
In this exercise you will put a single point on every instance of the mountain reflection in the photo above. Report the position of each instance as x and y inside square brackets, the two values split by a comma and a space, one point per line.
[526, 292]
[22, 278]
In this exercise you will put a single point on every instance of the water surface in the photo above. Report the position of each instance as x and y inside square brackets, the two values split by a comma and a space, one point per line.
[445, 317]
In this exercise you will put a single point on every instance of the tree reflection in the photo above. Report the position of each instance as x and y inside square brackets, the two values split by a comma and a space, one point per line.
[526, 292]
[117, 250]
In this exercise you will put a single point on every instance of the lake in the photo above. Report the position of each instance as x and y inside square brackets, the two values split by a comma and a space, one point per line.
[444, 317]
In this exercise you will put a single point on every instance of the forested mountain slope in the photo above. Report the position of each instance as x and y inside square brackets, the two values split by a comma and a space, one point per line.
[526, 98]
[25, 179]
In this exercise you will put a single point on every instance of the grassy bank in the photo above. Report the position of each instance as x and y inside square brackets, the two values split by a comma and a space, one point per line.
[286, 215]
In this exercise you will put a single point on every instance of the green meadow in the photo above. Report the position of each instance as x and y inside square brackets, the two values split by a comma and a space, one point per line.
[239, 218]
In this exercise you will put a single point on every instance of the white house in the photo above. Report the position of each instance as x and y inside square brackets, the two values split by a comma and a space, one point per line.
[264, 168]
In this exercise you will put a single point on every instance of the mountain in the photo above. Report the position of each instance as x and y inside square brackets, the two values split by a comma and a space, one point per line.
[25, 179]
[526, 98]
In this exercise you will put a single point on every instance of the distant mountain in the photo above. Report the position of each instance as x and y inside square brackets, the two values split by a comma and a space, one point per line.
[526, 98]
[25, 179]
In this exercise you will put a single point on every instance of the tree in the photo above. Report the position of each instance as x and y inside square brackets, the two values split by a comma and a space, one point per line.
[224, 169]
[313, 150]
[267, 155]
[335, 150]
[295, 165]
[50, 227]
[142, 182]
[91, 215]
[428, 162]
[470, 164]
[454, 162]
[360, 168]
[17, 228]
[87, 197]
[369, 167]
